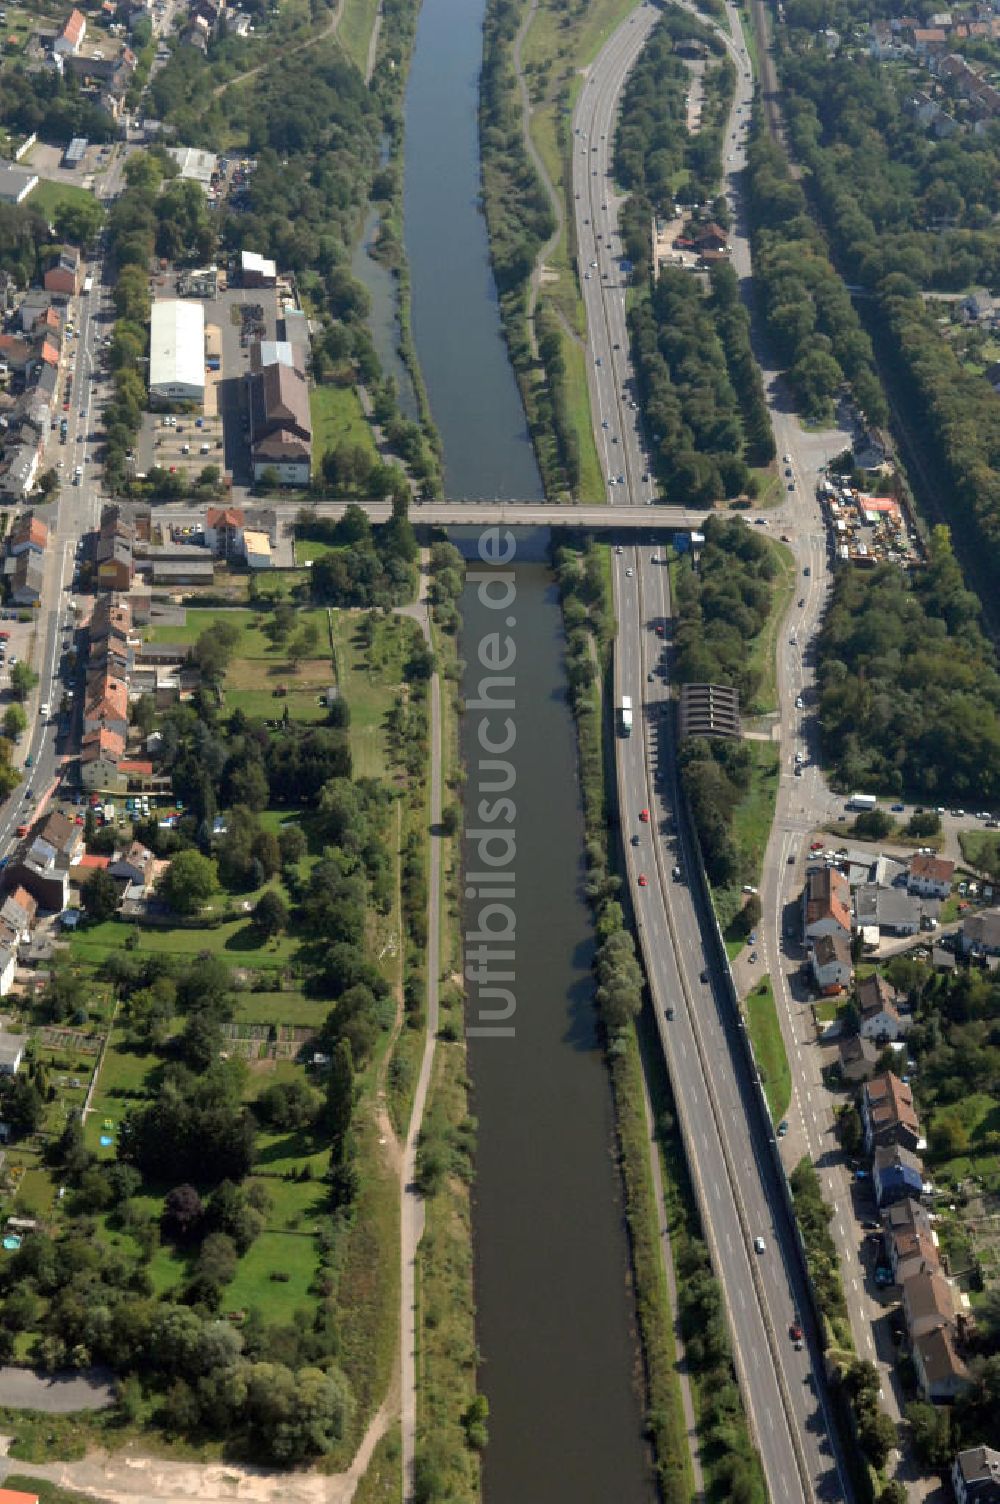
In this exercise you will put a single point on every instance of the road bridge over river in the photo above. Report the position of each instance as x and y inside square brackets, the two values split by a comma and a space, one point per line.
[595, 518]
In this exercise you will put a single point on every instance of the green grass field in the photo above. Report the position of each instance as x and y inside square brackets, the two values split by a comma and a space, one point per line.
[337, 418]
[981, 849]
[369, 678]
[355, 29]
[49, 197]
[769, 1048]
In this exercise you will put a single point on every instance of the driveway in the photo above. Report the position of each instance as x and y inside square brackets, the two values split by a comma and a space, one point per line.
[56, 1393]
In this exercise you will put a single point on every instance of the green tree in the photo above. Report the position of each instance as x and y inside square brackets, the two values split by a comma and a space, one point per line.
[189, 882]
[339, 1105]
[100, 896]
[22, 680]
[14, 721]
[270, 914]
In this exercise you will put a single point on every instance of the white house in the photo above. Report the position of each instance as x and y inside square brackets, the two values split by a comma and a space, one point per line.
[975, 1476]
[831, 963]
[12, 1047]
[930, 876]
[70, 38]
[826, 904]
[8, 966]
[880, 1015]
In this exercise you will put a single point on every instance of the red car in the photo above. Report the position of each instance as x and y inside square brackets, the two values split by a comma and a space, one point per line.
[816, 846]
[643, 880]
[644, 816]
[660, 630]
[795, 1331]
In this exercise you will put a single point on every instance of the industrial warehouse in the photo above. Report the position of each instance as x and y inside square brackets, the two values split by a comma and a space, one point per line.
[177, 351]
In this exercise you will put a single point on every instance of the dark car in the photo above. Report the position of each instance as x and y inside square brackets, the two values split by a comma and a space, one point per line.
[704, 975]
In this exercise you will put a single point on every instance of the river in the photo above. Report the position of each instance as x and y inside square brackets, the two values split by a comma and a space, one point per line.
[555, 1319]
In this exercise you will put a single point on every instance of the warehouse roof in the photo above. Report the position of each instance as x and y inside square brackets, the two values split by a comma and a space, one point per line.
[177, 344]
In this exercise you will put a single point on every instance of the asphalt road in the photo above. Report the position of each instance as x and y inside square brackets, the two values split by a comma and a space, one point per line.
[73, 512]
[739, 1191]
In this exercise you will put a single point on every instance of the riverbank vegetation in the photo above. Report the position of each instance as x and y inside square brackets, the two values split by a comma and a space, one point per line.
[582, 569]
[909, 691]
[585, 589]
[452, 1416]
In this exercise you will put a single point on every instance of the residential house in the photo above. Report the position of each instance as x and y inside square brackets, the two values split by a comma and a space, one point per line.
[878, 1009]
[942, 1374]
[981, 933]
[858, 1059]
[71, 35]
[896, 1174]
[16, 184]
[930, 876]
[12, 1048]
[35, 302]
[832, 966]
[912, 1253]
[18, 470]
[16, 1495]
[15, 352]
[224, 531]
[887, 1113]
[63, 276]
[907, 1216]
[136, 865]
[28, 532]
[64, 836]
[826, 904]
[106, 705]
[25, 579]
[115, 564]
[8, 966]
[975, 1476]
[18, 914]
[101, 753]
[280, 424]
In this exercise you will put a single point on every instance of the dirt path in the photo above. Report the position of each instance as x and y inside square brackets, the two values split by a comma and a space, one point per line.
[554, 197]
[412, 1211]
[373, 44]
[327, 31]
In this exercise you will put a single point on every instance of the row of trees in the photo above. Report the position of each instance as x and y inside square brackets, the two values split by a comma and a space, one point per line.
[688, 401]
[909, 692]
[723, 600]
[811, 321]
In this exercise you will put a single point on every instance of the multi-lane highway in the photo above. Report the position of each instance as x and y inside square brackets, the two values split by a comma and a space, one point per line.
[726, 1131]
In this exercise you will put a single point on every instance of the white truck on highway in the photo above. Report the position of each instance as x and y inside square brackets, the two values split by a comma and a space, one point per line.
[625, 716]
[862, 801]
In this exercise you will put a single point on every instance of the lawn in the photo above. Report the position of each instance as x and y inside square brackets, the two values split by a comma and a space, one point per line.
[752, 820]
[370, 679]
[337, 418]
[49, 197]
[253, 642]
[234, 940]
[769, 1048]
[355, 29]
[981, 849]
[264, 693]
[275, 1276]
[762, 649]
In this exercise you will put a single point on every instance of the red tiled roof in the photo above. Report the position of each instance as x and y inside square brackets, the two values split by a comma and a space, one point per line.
[94, 863]
[74, 28]
[934, 868]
